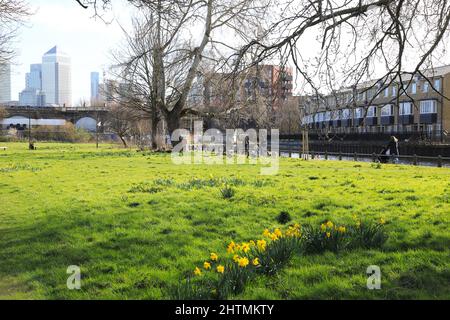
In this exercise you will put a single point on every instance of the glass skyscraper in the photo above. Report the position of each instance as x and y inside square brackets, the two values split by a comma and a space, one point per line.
[95, 84]
[5, 82]
[56, 78]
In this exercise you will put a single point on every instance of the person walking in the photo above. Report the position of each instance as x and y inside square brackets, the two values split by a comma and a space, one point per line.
[392, 149]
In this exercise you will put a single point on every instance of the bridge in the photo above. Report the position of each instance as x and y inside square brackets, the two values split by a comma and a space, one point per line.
[83, 117]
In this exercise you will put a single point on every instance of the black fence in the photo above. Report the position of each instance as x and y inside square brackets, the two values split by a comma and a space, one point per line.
[294, 150]
[367, 147]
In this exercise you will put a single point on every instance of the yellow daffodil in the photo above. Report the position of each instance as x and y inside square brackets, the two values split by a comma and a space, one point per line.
[342, 229]
[382, 221]
[255, 262]
[252, 243]
[278, 233]
[261, 245]
[243, 262]
[197, 271]
[323, 227]
[220, 269]
[266, 233]
[207, 265]
[328, 235]
[330, 224]
[245, 247]
[273, 237]
[235, 258]
[214, 256]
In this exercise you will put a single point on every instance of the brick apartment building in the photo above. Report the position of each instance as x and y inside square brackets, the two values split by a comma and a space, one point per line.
[372, 108]
[217, 91]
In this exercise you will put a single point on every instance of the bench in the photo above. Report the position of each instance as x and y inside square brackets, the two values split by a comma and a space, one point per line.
[3, 148]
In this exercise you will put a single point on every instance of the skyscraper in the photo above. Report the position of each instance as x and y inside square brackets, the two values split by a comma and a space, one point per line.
[33, 79]
[95, 83]
[56, 77]
[5, 82]
[32, 95]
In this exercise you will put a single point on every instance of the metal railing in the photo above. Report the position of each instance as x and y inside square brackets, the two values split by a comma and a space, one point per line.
[415, 160]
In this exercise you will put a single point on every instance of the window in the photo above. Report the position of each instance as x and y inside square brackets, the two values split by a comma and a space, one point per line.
[414, 88]
[386, 92]
[405, 109]
[425, 86]
[327, 116]
[428, 106]
[394, 91]
[358, 113]
[372, 112]
[404, 89]
[437, 84]
[346, 114]
[387, 110]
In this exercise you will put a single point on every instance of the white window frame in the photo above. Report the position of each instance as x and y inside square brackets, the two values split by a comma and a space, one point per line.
[426, 86]
[428, 106]
[386, 92]
[372, 112]
[359, 113]
[437, 84]
[394, 91]
[346, 114]
[391, 110]
[405, 109]
[414, 88]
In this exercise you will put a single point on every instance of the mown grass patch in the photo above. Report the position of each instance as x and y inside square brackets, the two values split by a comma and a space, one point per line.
[76, 211]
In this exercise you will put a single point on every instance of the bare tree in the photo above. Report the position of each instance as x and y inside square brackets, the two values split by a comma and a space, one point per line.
[161, 59]
[13, 14]
[357, 39]
[121, 121]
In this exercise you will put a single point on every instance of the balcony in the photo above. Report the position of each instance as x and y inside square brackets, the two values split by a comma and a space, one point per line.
[346, 123]
[428, 118]
[371, 121]
[387, 120]
[406, 119]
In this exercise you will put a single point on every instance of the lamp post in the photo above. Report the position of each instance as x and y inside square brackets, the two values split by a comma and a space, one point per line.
[29, 128]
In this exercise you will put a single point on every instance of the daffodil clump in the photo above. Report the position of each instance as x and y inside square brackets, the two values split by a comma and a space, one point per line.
[225, 274]
[334, 237]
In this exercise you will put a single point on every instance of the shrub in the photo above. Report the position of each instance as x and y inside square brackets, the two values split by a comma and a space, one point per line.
[65, 133]
[278, 254]
[367, 235]
[284, 217]
[227, 192]
[327, 237]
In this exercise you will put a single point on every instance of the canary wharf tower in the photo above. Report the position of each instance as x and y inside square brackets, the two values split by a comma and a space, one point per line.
[56, 78]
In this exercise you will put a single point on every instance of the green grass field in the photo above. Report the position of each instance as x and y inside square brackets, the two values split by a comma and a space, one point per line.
[136, 223]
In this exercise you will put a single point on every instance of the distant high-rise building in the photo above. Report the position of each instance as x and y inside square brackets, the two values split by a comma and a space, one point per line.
[33, 79]
[33, 95]
[5, 82]
[56, 77]
[95, 86]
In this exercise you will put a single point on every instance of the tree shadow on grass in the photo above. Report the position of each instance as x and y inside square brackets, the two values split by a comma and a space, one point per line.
[41, 251]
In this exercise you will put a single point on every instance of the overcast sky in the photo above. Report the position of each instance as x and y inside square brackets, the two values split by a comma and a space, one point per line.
[64, 23]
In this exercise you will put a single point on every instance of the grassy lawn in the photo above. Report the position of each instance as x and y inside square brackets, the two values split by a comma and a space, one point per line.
[136, 223]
